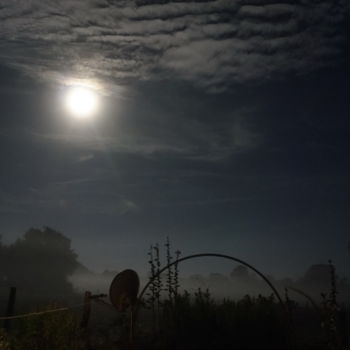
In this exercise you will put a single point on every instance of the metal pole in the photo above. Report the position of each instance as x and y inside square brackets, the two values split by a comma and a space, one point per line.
[87, 310]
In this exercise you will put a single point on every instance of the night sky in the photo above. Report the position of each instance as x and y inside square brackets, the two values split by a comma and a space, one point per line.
[221, 124]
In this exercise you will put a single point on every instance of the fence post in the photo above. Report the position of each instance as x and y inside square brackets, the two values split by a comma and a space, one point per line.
[10, 308]
[87, 310]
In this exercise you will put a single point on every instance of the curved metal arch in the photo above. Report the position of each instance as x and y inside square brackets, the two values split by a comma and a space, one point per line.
[202, 255]
[306, 296]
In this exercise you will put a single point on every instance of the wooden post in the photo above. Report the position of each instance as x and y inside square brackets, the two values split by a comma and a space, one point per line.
[10, 308]
[131, 331]
[87, 310]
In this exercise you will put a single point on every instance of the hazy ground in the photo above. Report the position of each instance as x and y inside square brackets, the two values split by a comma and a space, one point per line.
[221, 286]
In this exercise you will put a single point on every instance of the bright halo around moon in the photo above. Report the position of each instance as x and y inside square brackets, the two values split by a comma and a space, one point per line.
[81, 102]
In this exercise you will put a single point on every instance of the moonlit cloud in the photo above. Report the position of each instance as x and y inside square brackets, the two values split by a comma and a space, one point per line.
[221, 123]
[198, 141]
[212, 44]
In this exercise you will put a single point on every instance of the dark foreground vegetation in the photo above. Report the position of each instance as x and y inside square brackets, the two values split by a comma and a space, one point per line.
[168, 317]
[193, 321]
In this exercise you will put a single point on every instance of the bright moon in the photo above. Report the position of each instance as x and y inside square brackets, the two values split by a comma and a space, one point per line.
[81, 102]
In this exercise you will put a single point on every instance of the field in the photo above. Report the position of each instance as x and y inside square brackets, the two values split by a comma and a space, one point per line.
[169, 317]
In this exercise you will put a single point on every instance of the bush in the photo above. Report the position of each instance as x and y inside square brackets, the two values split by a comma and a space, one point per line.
[54, 331]
[4, 340]
[198, 322]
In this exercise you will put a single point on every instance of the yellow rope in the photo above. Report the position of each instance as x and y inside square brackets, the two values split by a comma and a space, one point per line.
[40, 312]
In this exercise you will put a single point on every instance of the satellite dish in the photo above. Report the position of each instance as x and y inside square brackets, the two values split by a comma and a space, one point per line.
[124, 289]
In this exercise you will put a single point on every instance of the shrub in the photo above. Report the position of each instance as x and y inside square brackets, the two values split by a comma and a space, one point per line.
[54, 331]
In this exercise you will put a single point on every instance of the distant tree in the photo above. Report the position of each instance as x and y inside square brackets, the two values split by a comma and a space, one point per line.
[41, 261]
[316, 279]
[241, 273]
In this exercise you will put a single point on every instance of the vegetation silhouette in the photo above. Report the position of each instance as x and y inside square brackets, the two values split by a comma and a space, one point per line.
[39, 263]
[170, 316]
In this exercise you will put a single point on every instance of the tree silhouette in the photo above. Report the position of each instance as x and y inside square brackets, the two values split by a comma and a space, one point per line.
[41, 261]
[240, 272]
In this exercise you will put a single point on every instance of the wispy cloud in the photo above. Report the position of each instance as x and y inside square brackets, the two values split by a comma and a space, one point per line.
[197, 140]
[209, 43]
[65, 196]
[86, 157]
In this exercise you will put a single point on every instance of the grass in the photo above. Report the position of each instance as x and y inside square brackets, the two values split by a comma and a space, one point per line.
[170, 319]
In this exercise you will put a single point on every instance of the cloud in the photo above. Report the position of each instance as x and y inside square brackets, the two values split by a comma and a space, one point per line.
[194, 139]
[127, 206]
[65, 196]
[212, 44]
[86, 157]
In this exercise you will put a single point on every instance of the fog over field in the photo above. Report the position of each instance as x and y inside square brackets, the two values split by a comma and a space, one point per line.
[239, 283]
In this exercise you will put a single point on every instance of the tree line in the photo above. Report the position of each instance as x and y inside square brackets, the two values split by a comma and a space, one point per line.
[38, 262]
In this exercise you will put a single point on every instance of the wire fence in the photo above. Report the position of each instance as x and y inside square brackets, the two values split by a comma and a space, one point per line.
[38, 313]
[86, 308]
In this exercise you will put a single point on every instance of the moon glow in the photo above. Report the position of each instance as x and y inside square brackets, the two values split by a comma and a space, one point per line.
[81, 102]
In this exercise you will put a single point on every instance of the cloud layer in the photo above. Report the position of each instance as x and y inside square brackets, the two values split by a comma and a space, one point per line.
[209, 43]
